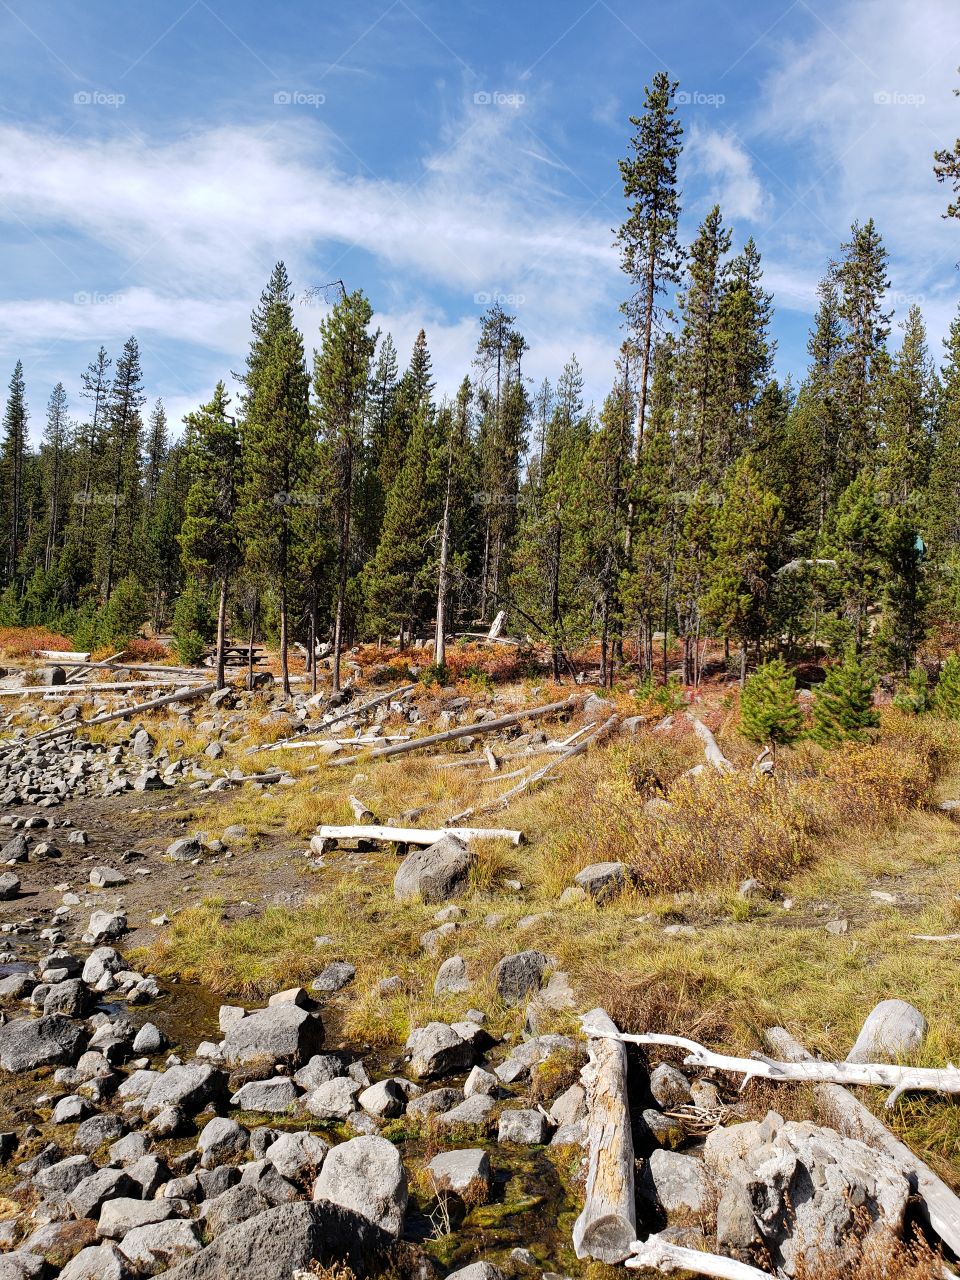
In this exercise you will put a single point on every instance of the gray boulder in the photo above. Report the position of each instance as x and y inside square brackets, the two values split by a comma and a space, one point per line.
[188, 1088]
[452, 977]
[105, 924]
[98, 1262]
[161, 1245]
[334, 977]
[333, 1100]
[274, 1244]
[435, 873]
[117, 1217]
[602, 881]
[892, 1032]
[366, 1176]
[88, 1197]
[222, 1140]
[28, 1043]
[271, 1096]
[231, 1207]
[465, 1172]
[478, 1271]
[386, 1099]
[9, 886]
[517, 975]
[670, 1087]
[678, 1183]
[59, 1179]
[523, 1126]
[184, 850]
[437, 1050]
[297, 1156]
[72, 998]
[279, 1034]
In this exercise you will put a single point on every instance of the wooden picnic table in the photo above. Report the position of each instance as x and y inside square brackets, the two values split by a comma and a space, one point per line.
[237, 655]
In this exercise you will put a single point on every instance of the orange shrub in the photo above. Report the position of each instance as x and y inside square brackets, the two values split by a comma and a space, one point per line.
[20, 642]
[874, 783]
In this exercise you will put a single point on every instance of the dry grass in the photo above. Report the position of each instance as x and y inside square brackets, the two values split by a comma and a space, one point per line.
[881, 1256]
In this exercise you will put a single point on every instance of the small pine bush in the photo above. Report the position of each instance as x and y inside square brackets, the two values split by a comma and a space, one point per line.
[844, 710]
[946, 696]
[770, 713]
[915, 696]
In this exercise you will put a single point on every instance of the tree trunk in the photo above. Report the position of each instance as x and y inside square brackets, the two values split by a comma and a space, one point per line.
[253, 632]
[440, 640]
[222, 633]
[284, 664]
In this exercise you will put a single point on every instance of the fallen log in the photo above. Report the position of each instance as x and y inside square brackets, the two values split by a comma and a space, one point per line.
[890, 1076]
[359, 809]
[181, 695]
[82, 667]
[661, 1255]
[468, 730]
[935, 937]
[345, 715]
[62, 655]
[607, 1226]
[710, 748]
[939, 1204]
[538, 775]
[416, 835]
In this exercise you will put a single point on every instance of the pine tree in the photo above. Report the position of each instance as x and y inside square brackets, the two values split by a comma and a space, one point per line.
[341, 378]
[745, 353]
[915, 695]
[946, 166]
[770, 712]
[275, 439]
[88, 447]
[941, 512]
[209, 540]
[121, 460]
[858, 540]
[907, 414]
[747, 546]
[862, 282]
[650, 251]
[843, 710]
[946, 696]
[12, 451]
[54, 457]
[820, 400]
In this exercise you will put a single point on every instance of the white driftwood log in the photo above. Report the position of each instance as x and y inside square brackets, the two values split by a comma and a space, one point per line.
[416, 835]
[710, 748]
[940, 1206]
[468, 730]
[180, 695]
[607, 1227]
[359, 809]
[388, 696]
[884, 1075]
[661, 1255]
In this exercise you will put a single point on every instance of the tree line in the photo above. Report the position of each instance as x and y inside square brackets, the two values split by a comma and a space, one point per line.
[341, 499]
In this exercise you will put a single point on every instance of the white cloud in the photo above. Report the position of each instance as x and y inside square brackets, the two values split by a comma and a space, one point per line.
[719, 157]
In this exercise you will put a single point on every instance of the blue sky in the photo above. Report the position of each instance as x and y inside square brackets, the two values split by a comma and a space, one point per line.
[156, 158]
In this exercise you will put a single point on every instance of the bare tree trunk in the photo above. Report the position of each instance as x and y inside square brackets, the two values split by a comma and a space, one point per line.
[253, 632]
[440, 641]
[284, 665]
[313, 639]
[222, 633]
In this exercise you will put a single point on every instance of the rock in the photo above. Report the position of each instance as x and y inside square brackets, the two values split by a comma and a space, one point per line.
[480, 1081]
[71, 1110]
[221, 1141]
[230, 1014]
[366, 1175]
[149, 1173]
[16, 850]
[274, 1244]
[386, 1099]
[466, 1173]
[321, 1068]
[670, 1087]
[523, 1126]
[570, 1107]
[271, 1096]
[99, 962]
[141, 744]
[282, 1034]
[167, 1123]
[128, 1149]
[266, 1179]
[71, 998]
[97, 1131]
[292, 995]
[149, 1040]
[161, 1245]
[9, 886]
[438, 1050]
[892, 1032]
[119, 1216]
[184, 850]
[188, 1088]
[213, 1182]
[88, 1197]
[297, 1156]
[602, 880]
[472, 1112]
[107, 878]
[452, 977]
[106, 924]
[676, 1182]
[51, 676]
[517, 975]
[231, 1207]
[28, 1043]
[334, 977]
[482, 1271]
[815, 1193]
[435, 873]
[98, 1262]
[532, 1053]
[333, 1100]
[428, 1104]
